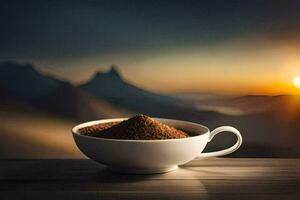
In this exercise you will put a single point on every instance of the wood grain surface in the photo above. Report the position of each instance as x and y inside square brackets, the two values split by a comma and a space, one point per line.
[220, 178]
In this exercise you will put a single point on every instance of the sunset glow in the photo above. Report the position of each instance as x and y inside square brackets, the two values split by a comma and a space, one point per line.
[296, 82]
[194, 53]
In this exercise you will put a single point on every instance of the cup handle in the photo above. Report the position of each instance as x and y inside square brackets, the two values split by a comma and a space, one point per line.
[225, 151]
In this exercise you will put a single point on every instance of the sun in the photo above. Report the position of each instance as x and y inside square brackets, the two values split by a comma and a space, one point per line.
[296, 82]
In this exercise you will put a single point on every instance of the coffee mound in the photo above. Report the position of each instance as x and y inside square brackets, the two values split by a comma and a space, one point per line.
[140, 127]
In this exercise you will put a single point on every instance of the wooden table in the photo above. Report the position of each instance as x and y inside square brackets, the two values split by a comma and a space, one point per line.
[222, 178]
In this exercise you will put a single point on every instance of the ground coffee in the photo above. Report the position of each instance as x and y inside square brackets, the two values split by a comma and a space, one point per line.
[140, 127]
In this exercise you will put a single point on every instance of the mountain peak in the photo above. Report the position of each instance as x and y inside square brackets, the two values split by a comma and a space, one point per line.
[113, 72]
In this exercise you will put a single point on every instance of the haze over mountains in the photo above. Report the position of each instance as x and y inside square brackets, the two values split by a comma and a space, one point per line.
[269, 124]
[113, 88]
[24, 83]
[109, 88]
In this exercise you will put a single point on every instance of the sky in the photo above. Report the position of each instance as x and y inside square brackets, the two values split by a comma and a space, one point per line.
[244, 47]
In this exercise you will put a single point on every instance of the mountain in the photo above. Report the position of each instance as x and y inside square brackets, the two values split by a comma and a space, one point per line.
[112, 87]
[24, 81]
[22, 84]
[106, 95]
[250, 104]
[261, 103]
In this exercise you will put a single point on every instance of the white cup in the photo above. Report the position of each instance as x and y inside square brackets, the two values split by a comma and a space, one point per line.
[151, 156]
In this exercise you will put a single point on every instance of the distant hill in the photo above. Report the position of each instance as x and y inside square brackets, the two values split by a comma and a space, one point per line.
[112, 87]
[266, 103]
[106, 95]
[110, 84]
[23, 84]
[24, 81]
[250, 104]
